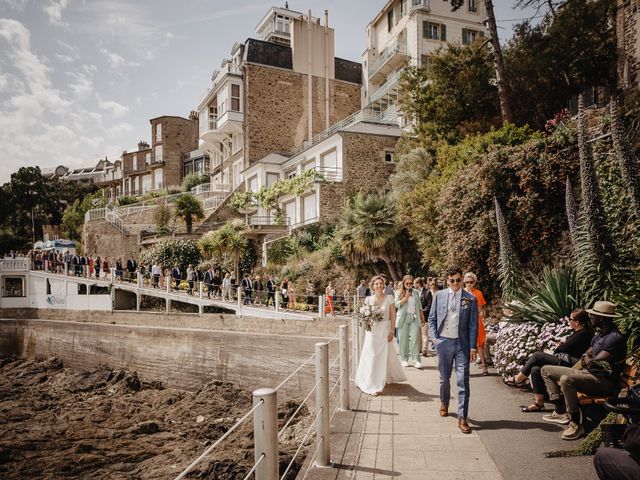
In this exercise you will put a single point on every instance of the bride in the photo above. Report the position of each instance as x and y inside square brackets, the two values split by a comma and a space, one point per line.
[379, 362]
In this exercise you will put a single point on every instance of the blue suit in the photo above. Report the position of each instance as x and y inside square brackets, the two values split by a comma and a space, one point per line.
[456, 350]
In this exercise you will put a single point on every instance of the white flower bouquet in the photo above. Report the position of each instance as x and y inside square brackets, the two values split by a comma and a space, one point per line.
[367, 315]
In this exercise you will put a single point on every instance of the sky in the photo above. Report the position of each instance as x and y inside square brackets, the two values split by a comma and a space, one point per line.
[80, 79]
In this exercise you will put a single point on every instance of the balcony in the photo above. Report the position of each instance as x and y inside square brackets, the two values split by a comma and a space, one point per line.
[220, 128]
[387, 94]
[258, 224]
[391, 58]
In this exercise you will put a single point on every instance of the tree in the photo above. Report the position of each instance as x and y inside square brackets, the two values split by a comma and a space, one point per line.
[453, 98]
[539, 5]
[550, 63]
[501, 75]
[368, 231]
[162, 215]
[626, 160]
[73, 216]
[193, 180]
[189, 208]
[226, 243]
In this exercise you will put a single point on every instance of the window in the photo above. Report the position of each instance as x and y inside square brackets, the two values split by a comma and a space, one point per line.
[291, 174]
[13, 287]
[187, 169]
[135, 162]
[473, 6]
[147, 158]
[158, 152]
[290, 211]
[136, 186]
[236, 140]
[146, 183]
[235, 97]
[253, 184]
[403, 8]
[237, 167]
[282, 24]
[158, 132]
[213, 115]
[272, 178]
[389, 156]
[309, 207]
[390, 20]
[157, 178]
[470, 36]
[434, 31]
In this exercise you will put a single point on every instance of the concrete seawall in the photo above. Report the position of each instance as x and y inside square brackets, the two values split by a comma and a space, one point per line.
[184, 351]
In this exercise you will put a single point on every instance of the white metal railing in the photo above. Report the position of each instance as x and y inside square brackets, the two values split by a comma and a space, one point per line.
[329, 174]
[388, 52]
[266, 436]
[223, 192]
[95, 214]
[364, 115]
[202, 188]
[392, 82]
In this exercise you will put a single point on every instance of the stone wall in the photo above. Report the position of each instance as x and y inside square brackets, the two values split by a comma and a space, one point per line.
[276, 109]
[102, 238]
[628, 42]
[364, 170]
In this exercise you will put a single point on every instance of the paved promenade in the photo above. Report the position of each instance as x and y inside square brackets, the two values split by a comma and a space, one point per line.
[399, 435]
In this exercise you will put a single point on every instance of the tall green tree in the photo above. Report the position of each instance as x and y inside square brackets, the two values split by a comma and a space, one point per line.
[553, 61]
[227, 243]
[454, 97]
[368, 231]
[189, 208]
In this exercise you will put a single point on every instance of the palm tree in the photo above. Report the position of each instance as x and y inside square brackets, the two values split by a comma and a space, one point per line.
[189, 208]
[368, 231]
[227, 242]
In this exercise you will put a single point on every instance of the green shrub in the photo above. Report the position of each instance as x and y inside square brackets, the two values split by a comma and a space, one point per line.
[172, 252]
[193, 180]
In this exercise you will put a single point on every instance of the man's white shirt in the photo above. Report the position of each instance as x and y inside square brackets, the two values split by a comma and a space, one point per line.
[450, 328]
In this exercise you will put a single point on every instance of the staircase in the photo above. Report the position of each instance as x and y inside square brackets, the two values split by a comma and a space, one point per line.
[214, 204]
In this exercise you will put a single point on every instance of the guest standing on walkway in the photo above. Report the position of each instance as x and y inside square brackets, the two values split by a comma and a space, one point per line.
[470, 285]
[271, 291]
[410, 319]
[329, 294]
[453, 326]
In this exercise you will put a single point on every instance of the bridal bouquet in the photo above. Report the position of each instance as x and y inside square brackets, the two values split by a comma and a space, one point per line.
[367, 315]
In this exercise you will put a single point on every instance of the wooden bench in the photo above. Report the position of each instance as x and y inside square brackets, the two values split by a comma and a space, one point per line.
[628, 379]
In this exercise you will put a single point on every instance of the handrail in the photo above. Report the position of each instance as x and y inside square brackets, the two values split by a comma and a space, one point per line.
[391, 82]
[217, 442]
[388, 52]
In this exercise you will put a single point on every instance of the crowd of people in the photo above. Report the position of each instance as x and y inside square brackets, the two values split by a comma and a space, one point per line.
[418, 313]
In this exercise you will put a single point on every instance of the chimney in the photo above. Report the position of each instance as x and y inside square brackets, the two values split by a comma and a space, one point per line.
[193, 116]
[124, 152]
[142, 145]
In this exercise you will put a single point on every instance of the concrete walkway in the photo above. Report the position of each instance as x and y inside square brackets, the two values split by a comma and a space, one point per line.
[399, 434]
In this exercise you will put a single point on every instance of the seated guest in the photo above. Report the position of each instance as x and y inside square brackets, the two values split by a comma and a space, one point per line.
[566, 355]
[599, 374]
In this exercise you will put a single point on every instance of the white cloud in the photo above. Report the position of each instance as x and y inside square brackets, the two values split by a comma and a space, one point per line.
[120, 128]
[117, 110]
[4, 81]
[15, 4]
[53, 9]
[117, 61]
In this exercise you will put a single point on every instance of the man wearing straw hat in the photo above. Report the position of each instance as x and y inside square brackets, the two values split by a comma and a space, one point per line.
[596, 374]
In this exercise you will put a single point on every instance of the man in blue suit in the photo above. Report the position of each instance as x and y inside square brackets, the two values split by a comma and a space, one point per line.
[453, 326]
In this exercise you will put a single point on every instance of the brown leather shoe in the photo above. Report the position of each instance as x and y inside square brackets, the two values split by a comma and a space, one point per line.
[463, 425]
[444, 410]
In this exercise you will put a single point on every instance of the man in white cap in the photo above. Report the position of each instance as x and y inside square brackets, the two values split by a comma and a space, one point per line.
[598, 373]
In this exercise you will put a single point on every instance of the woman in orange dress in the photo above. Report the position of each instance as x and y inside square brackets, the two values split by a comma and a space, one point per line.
[470, 282]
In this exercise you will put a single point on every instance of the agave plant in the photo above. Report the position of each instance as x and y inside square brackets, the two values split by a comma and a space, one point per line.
[549, 297]
[509, 266]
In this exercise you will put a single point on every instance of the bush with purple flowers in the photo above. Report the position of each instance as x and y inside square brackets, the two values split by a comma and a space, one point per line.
[516, 342]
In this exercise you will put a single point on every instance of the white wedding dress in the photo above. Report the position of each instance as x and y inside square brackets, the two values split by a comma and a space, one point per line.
[379, 363]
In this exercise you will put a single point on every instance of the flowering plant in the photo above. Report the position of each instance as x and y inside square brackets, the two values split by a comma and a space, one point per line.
[516, 342]
[553, 334]
[369, 314]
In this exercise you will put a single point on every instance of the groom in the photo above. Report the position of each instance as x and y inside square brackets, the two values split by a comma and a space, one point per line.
[453, 326]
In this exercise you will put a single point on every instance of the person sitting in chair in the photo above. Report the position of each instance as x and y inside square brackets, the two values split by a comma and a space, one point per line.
[598, 373]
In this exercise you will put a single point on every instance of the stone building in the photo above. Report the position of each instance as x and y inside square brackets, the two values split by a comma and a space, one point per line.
[628, 23]
[274, 93]
[156, 166]
[411, 31]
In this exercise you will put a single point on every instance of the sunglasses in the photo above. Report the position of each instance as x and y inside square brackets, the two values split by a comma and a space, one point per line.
[455, 280]
[469, 281]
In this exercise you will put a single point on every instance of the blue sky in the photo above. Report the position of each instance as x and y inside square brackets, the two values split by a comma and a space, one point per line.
[80, 79]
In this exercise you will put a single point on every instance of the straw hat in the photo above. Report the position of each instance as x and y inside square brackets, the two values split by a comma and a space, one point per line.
[604, 309]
